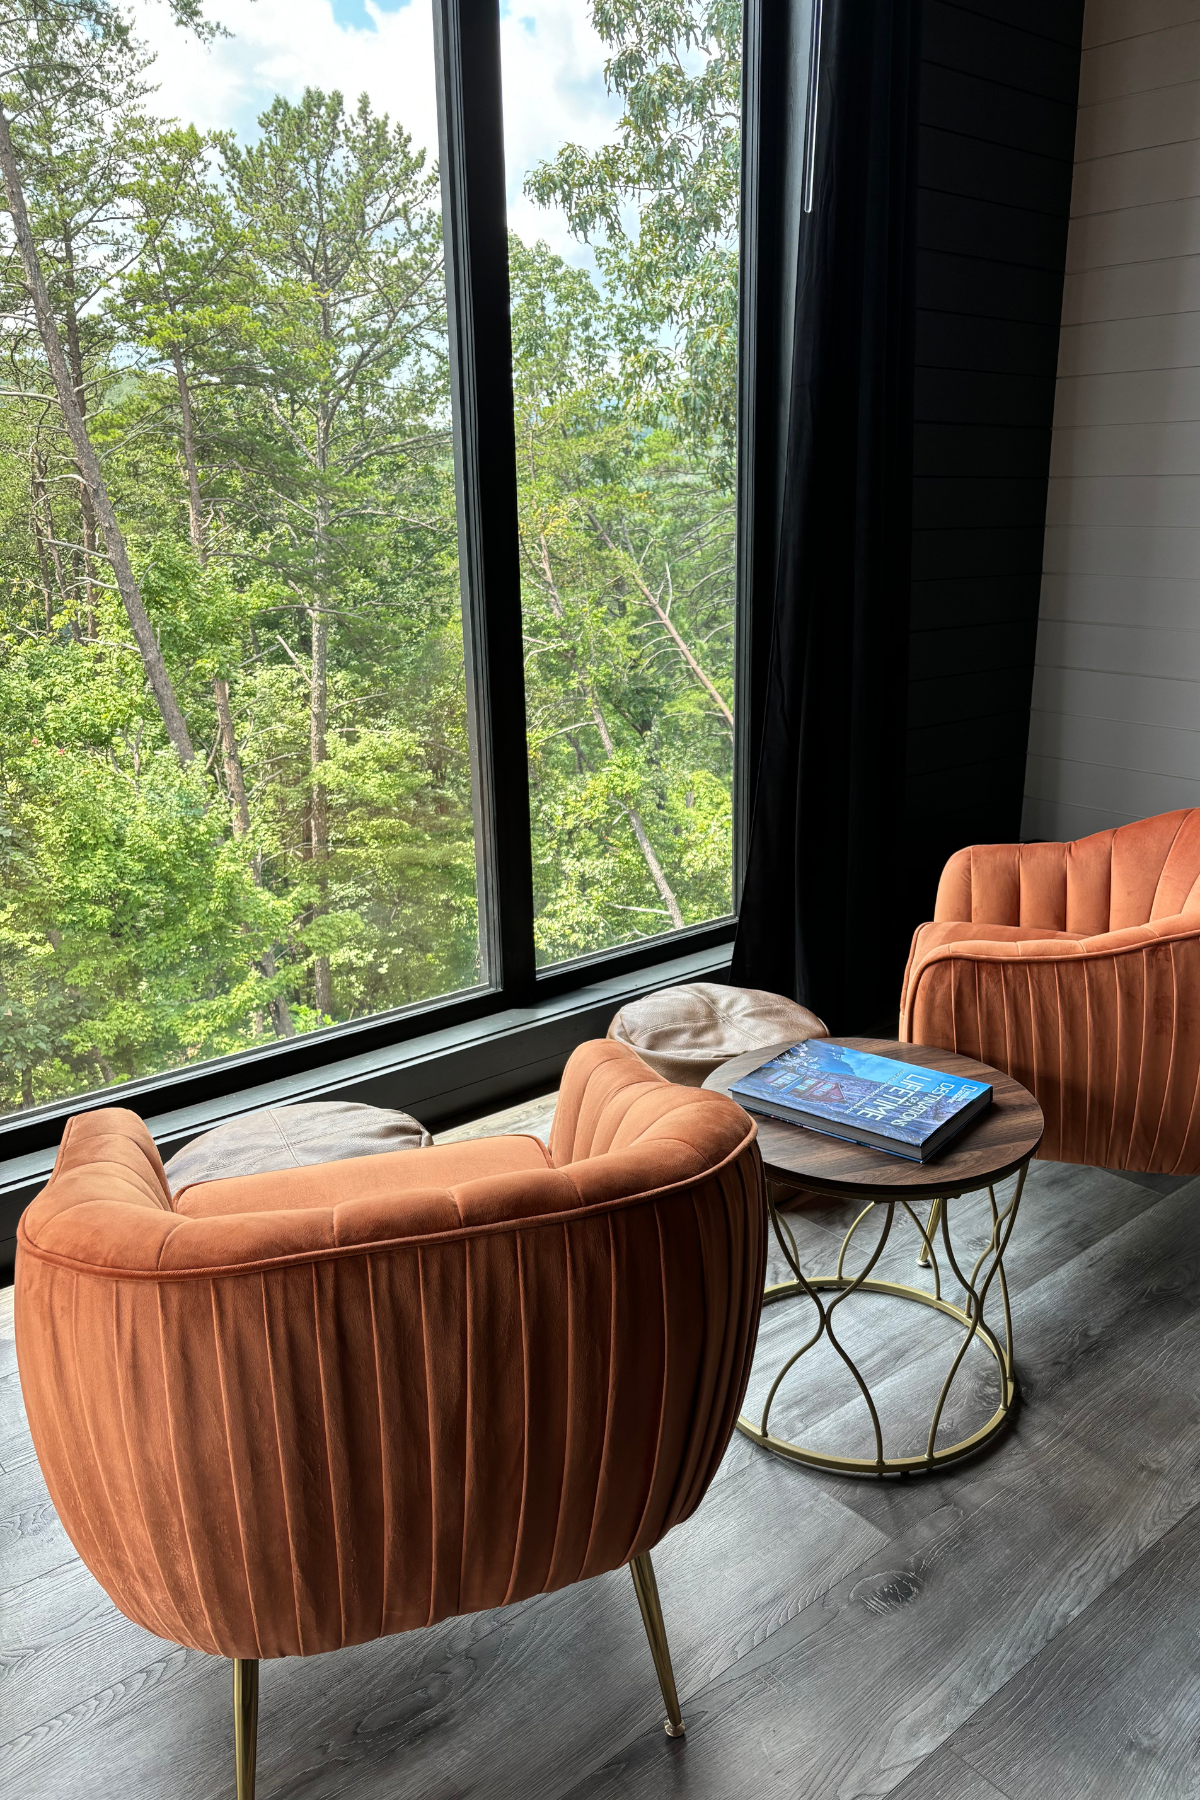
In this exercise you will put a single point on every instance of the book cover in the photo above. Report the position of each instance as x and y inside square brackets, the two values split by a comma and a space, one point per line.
[868, 1099]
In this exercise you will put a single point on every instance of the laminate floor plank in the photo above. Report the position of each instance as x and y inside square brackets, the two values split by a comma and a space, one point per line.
[1159, 1184]
[61, 1640]
[1109, 1709]
[832, 1639]
[32, 1541]
[944, 1776]
[860, 1688]
[1076, 1332]
[467, 1684]
[1028, 1541]
[16, 1449]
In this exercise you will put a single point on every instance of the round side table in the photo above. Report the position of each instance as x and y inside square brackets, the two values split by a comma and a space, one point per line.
[997, 1145]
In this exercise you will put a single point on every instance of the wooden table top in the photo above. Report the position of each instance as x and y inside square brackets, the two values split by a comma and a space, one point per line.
[993, 1146]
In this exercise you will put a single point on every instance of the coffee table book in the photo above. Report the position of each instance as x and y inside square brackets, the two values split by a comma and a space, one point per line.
[875, 1101]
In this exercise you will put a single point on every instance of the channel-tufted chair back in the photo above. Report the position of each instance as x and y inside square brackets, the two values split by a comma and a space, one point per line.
[1130, 875]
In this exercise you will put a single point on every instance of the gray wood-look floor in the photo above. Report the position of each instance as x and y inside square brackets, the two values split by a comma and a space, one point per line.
[1024, 1628]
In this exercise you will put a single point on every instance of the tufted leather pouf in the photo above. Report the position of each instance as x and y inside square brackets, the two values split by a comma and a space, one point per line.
[292, 1137]
[684, 1033]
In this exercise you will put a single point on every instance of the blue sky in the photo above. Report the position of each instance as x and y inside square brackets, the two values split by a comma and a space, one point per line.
[357, 13]
[553, 74]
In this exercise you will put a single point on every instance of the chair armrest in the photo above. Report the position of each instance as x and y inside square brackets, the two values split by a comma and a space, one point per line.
[116, 1138]
[610, 1100]
[107, 1194]
[1102, 1030]
[1178, 928]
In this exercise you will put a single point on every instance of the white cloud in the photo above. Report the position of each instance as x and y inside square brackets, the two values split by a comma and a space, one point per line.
[553, 64]
[284, 46]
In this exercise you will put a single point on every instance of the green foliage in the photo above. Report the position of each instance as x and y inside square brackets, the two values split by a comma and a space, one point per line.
[129, 924]
[620, 533]
[259, 333]
[674, 165]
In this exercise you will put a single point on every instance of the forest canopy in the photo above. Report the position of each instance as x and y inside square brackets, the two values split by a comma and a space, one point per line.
[235, 781]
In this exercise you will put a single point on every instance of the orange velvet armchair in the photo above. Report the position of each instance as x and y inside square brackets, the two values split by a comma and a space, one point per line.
[294, 1411]
[1076, 967]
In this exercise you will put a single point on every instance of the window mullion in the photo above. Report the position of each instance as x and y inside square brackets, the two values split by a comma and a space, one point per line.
[470, 124]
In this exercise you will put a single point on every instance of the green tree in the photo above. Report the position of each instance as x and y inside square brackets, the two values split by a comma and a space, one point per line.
[186, 301]
[673, 169]
[340, 218]
[61, 63]
[240, 351]
[627, 563]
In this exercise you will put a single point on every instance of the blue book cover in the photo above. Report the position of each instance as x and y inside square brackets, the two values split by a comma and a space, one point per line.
[868, 1099]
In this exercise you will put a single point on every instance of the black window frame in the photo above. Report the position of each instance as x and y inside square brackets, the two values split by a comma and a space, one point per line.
[470, 116]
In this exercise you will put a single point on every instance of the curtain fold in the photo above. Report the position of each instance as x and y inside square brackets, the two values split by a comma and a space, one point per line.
[821, 916]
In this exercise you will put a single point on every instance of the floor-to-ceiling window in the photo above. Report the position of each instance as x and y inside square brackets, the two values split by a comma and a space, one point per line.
[622, 132]
[248, 775]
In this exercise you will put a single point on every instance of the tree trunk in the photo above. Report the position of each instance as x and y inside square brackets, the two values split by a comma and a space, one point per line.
[43, 573]
[651, 861]
[639, 830]
[235, 780]
[319, 814]
[49, 546]
[319, 702]
[75, 365]
[36, 491]
[85, 455]
[90, 547]
[664, 618]
[280, 1011]
[230, 756]
[190, 464]
[281, 1014]
[231, 760]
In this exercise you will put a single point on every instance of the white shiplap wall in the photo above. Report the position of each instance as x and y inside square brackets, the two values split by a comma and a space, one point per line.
[1114, 732]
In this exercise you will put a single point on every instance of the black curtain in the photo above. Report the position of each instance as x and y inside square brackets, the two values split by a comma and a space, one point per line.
[822, 915]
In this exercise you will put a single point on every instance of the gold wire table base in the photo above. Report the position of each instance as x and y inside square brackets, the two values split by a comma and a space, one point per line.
[989, 1266]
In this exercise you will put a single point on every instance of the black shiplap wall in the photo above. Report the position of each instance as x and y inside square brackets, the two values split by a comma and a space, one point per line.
[999, 83]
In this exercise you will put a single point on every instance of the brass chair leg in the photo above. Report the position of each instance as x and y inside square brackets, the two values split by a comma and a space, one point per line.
[646, 1589]
[245, 1723]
